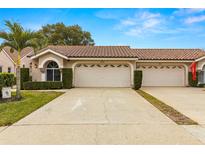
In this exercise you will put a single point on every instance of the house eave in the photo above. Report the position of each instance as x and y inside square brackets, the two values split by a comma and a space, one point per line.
[199, 59]
[103, 58]
[167, 61]
[9, 57]
[48, 51]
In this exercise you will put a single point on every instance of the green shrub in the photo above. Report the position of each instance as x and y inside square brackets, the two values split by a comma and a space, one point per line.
[42, 85]
[14, 83]
[0, 90]
[193, 83]
[137, 79]
[24, 76]
[67, 78]
[201, 85]
[6, 79]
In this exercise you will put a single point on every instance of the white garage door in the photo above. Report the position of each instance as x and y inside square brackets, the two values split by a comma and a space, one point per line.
[105, 75]
[163, 76]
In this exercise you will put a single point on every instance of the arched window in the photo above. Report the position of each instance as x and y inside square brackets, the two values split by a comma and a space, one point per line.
[53, 72]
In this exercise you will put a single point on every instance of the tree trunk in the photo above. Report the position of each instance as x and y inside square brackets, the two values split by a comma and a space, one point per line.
[18, 77]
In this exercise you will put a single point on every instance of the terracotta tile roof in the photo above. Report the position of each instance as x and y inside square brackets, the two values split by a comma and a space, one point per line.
[168, 54]
[13, 55]
[126, 52]
[93, 51]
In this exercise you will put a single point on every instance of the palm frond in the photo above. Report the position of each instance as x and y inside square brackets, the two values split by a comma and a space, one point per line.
[4, 36]
[8, 44]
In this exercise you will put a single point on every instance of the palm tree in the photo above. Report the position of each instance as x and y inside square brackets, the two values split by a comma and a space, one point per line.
[17, 38]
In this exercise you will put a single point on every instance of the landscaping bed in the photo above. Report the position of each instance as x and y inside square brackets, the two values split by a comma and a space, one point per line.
[169, 111]
[13, 111]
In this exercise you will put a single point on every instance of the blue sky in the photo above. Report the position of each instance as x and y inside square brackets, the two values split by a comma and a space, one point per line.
[138, 28]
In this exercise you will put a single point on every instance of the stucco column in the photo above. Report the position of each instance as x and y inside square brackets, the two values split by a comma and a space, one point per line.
[43, 74]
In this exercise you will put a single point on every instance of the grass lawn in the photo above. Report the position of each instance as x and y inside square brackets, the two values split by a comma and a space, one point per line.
[169, 111]
[31, 101]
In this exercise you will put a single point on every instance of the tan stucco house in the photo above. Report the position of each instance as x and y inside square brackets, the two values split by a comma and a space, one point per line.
[112, 66]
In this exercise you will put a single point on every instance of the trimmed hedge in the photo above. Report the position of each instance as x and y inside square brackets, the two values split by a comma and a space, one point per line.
[6, 79]
[137, 79]
[67, 78]
[42, 85]
[0, 91]
[201, 85]
[193, 83]
[24, 76]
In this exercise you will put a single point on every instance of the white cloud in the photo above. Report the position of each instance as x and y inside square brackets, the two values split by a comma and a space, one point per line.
[111, 14]
[148, 15]
[141, 23]
[151, 23]
[191, 20]
[128, 22]
[182, 12]
[145, 23]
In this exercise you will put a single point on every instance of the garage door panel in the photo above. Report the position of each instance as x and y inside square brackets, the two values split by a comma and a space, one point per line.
[102, 76]
[163, 76]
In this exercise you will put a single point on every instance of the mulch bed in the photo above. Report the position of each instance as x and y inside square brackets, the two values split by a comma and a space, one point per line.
[8, 100]
[169, 111]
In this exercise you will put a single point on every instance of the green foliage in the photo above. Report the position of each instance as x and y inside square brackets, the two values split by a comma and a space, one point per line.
[24, 76]
[6, 79]
[137, 79]
[17, 37]
[67, 78]
[60, 34]
[202, 85]
[0, 90]
[42, 85]
[14, 83]
[193, 83]
[30, 78]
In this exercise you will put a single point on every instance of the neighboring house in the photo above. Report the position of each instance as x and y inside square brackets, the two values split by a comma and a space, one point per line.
[8, 60]
[113, 66]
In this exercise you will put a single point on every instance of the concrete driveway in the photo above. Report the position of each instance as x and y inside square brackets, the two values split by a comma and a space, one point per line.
[97, 116]
[187, 100]
[190, 101]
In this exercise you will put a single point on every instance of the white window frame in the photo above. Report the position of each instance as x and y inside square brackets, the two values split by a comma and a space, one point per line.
[53, 71]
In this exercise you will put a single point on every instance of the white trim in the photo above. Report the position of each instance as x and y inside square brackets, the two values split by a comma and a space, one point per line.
[165, 61]
[200, 59]
[8, 56]
[97, 62]
[26, 55]
[202, 65]
[49, 51]
[103, 58]
[49, 59]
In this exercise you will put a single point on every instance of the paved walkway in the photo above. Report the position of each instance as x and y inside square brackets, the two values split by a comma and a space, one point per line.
[97, 116]
[189, 101]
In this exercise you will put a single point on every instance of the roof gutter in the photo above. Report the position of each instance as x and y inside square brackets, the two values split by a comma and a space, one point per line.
[103, 58]
[201, 58]
[166, 61]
